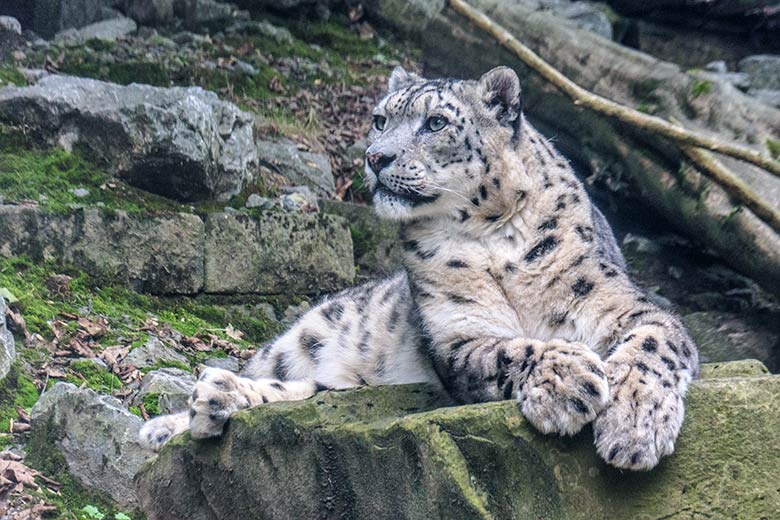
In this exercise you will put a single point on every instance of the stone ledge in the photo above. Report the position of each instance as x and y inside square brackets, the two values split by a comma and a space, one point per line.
[390, 453]
[181, 253]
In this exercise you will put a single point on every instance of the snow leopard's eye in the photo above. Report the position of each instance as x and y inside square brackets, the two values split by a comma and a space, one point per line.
[436, 123]
[379, 123]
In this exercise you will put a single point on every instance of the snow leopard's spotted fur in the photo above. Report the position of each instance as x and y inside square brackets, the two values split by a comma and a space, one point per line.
[514, 288]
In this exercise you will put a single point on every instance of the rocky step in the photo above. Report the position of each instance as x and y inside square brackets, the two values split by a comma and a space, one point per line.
[405, 452]
[394, 452]
[181, 253]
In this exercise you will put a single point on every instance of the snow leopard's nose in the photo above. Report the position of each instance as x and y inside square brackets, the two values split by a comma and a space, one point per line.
[379, 161]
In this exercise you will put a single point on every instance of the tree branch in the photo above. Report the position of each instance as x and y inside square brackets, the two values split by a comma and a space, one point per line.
[605, 106]
[712, 168]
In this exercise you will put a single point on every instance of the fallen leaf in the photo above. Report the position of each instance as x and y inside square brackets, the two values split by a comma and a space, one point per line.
[233, 333]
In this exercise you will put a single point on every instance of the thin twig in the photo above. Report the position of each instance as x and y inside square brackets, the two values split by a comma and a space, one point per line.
[604, 105]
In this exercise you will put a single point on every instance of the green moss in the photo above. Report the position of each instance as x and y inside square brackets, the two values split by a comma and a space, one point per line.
[700, 87]
[49, 177]
[16, 391]
[645, 108]
[11, 76]
[363, 241]
[152, 404]
[126, 312]
[93, 376]
[773, 145]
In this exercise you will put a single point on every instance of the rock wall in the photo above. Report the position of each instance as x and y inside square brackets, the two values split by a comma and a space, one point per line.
[392, 452]
[182, 253]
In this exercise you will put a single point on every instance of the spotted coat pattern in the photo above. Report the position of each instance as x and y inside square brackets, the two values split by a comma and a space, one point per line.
[513, 288]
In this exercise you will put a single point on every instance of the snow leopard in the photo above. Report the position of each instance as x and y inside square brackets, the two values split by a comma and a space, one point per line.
[513, 287]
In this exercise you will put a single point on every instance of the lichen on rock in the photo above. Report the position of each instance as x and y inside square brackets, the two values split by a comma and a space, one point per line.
[394, 452]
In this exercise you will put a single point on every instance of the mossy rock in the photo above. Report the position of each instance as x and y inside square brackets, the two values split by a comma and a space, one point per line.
[374, 240]
[393, 452]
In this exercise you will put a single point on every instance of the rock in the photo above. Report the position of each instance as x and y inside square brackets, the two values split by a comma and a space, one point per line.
[170, 387]
[769, 97]
[149, 12]
[80, 192]
[161, 254]
[226, 363]
[293, 312]
[263, 27]
[718, 66]
[298, 199]
[277, 252]
[153, 353]
[7, 344]
[9, 23]
[374, 241]
[763, 69]
[107, 30]
[723, 336]
[296, 167]
[197, 13]
[92, 436]
[182, 143]
[256, 201]
[48, 17]
[390, 452]
[741, 368]
[33, 75]
[739, 80]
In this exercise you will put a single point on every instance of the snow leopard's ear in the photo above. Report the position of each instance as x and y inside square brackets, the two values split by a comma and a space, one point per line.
[501, 88]
[400, 78]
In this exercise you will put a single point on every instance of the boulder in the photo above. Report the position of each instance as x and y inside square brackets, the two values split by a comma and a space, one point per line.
[769, 97]
[197, 13]
[182, 143]
[723, 336]
[295, 167]
[393, 452]
[170, 388]
[7, 346]
[149, 12]
[763, 69]
[153, 353]
[160, 254]
[9, 23]
[277, 253]
[48, 17]
[92, 436]
[106, 30]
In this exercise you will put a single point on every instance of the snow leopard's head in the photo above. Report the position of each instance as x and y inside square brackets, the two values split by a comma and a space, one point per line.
[433, 142]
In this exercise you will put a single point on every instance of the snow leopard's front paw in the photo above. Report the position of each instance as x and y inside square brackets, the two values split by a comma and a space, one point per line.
[156, 432]
[565, 387]
[216, 396]
[641, 422]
